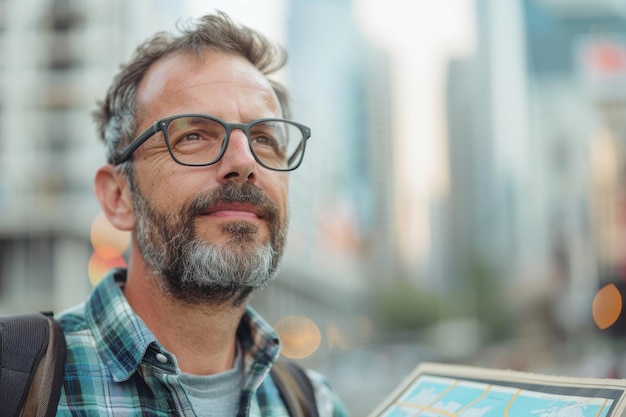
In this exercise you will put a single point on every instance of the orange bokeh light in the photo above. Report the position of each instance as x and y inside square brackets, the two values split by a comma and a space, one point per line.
[299, 335]
[104, 234]
[607, 306]
[100, 264]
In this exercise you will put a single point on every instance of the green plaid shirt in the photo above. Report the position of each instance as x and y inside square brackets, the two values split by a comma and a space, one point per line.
[116, 367]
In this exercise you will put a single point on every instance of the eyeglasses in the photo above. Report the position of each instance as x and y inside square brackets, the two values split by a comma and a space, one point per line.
[201, 140]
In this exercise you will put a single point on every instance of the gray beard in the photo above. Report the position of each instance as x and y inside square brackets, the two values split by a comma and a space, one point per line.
[195, 272]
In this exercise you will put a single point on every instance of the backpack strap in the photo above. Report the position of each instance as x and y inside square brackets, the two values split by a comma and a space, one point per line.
[295, 389]
[45, 389]
[32, 358]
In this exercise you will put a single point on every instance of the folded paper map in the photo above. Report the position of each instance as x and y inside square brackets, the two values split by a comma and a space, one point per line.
[440, 390]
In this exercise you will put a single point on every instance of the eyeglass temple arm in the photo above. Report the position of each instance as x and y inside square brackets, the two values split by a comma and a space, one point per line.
[299, 150]
[125, 156]
[295, 153]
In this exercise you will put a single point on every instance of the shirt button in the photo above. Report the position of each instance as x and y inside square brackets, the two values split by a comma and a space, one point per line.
[161, 358]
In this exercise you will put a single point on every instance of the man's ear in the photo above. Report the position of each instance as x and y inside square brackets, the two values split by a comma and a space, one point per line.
[111, 189]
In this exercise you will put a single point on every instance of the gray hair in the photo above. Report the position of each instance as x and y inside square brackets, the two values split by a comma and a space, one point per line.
[116, 115]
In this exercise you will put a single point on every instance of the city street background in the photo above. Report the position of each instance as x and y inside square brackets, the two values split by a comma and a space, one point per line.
[462, 197]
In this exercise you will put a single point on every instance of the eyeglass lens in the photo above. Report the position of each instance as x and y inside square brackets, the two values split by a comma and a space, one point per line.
[197, 140]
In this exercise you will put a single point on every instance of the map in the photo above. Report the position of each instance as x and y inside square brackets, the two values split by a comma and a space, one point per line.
[448, 396]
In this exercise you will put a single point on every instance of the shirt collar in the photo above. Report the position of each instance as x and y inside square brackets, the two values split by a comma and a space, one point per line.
[121, 335]
[259, 341]
[123, 338]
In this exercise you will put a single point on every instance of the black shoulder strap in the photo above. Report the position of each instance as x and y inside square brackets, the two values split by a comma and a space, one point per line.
[295, 389]
[32, 358]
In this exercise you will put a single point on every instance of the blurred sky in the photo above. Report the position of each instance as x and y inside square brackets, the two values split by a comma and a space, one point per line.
[420, 43]
[268, 16]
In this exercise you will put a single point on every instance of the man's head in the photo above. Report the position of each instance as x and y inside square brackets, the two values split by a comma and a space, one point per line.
[116, 115]
[213, 231]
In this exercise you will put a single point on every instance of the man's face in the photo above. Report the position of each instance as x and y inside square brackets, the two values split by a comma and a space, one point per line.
[215, 233]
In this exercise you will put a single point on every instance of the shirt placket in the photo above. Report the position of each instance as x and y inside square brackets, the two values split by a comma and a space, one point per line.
[161, 374]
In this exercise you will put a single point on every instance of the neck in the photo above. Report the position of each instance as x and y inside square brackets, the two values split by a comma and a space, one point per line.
[202, 337]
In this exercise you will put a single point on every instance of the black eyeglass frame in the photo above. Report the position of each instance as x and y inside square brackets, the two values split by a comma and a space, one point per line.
[162, 125]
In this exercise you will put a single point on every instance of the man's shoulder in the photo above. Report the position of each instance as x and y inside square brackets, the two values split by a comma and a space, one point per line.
[72, 320]
[95, 309]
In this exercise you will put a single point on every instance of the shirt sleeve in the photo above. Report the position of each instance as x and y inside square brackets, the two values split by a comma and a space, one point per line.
[329, 404]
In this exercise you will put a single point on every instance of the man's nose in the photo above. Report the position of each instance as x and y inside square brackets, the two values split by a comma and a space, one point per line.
[238, 162]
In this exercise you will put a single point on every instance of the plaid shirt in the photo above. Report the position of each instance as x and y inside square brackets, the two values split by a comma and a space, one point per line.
[116, 367]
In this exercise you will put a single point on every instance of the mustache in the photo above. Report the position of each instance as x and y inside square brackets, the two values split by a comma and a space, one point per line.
[231, 193]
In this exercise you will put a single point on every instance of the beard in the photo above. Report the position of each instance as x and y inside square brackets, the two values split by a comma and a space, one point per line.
[194, 271]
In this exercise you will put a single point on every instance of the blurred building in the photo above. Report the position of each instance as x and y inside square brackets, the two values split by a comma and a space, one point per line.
[57, 57]
[536, 137]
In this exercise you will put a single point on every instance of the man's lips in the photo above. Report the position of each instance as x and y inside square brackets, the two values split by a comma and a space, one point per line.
[234, 212]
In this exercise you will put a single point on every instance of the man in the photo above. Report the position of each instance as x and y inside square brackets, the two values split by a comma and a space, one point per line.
[198, 159]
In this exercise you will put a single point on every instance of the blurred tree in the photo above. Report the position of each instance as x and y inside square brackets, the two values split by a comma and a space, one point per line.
[403, 306]
[489, 297]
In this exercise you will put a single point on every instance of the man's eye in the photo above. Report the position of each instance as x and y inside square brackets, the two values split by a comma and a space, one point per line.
[265, 140]
[195, 137]
[191, 137]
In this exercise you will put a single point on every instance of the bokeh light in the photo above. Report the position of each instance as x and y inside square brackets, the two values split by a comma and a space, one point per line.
[104, 234]
[337, 338]
[354, 333]
[109, 245]
[607, 306]
[300, 336]
[99, 265]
